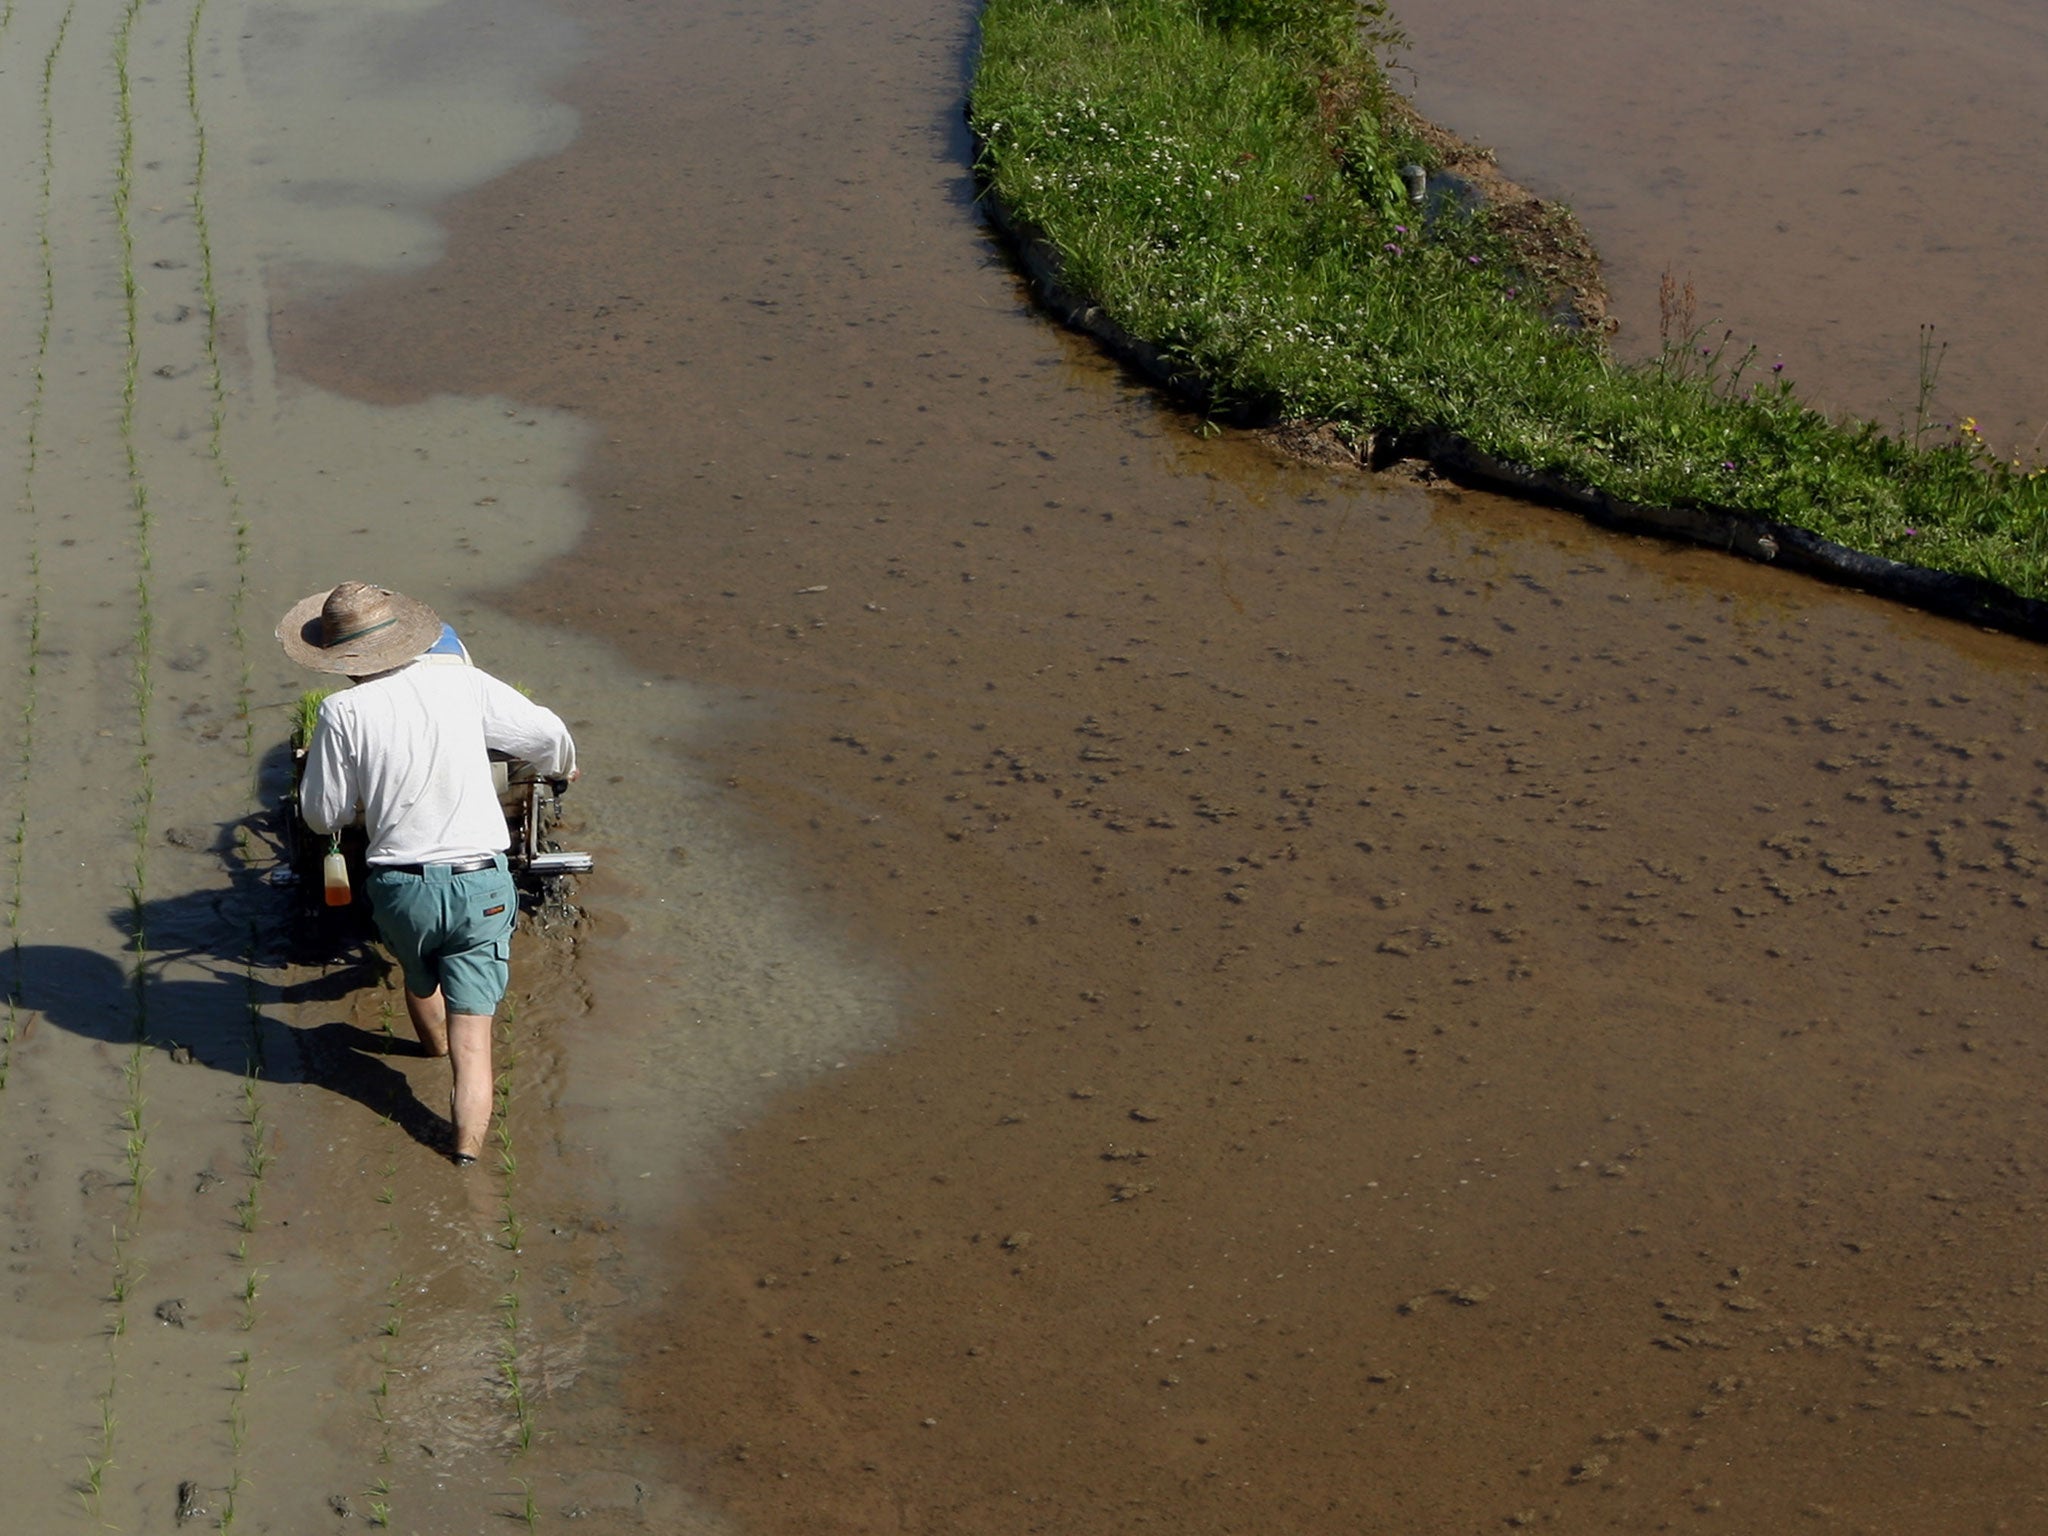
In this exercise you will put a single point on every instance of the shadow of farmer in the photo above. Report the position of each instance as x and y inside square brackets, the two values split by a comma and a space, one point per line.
[221, 1019]
[208, 989]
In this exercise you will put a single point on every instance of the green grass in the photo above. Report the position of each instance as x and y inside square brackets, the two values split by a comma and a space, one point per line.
[1221, 178]
[306, 715]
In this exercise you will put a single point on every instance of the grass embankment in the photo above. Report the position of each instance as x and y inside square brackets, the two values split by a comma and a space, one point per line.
[1222, 178]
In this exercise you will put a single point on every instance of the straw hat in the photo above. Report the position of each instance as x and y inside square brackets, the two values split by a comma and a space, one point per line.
[357, 629]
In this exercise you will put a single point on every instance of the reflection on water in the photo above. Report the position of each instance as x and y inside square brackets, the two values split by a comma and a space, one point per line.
[1830, 176]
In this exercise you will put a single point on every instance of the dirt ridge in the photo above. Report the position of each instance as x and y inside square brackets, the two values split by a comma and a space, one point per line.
[1557, 253]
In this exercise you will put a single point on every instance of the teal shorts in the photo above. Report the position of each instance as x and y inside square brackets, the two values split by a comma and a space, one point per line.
[450, 932]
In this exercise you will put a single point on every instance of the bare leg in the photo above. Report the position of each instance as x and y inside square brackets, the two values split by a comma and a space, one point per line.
[429, 1020]
[469, 1040]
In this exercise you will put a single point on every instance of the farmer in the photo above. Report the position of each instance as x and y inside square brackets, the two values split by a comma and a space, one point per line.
[408, 747]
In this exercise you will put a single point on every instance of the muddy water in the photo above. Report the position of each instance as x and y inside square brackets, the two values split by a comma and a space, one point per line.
[235, 1262]
[1829, 177]
[1129, 982]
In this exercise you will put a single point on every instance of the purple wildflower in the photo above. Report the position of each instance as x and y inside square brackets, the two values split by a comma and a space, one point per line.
[1391, 249]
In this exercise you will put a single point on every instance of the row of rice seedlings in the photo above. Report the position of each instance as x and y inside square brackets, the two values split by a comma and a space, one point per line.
[377, 1497]
[238, 1435]
[257, 1155]
[258, 1149]
[237, 512]
[511, 1233]
[132, 1120]
[394, 1291]
[144, 519]
[511, 1226]
[145, 794]
[138, 484]
[30, 545]
[127, 1273]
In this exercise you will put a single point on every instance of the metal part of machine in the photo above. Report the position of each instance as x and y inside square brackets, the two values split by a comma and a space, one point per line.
[532, 804]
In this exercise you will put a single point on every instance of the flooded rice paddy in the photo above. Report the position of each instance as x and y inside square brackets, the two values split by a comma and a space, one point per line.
[1129, 982]
[1830, 178]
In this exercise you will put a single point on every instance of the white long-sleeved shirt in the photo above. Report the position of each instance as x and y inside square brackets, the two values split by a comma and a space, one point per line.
[412, 747]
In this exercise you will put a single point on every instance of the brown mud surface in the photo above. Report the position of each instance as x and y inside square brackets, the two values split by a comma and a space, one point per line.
[1830, 177]
[1552, 248]
[1420, 1016]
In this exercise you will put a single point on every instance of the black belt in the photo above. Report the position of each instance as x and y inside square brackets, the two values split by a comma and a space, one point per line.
[453, 866]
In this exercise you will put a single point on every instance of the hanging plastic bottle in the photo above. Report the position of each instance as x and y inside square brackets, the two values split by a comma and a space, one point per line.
[334, 873]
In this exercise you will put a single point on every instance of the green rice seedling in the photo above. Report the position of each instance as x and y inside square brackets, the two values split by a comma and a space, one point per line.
[529, 1508]
[524, 1433]
[252, 1003]
[216, 445]
[394, 1306]
[508, 1366]
[306, 715]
